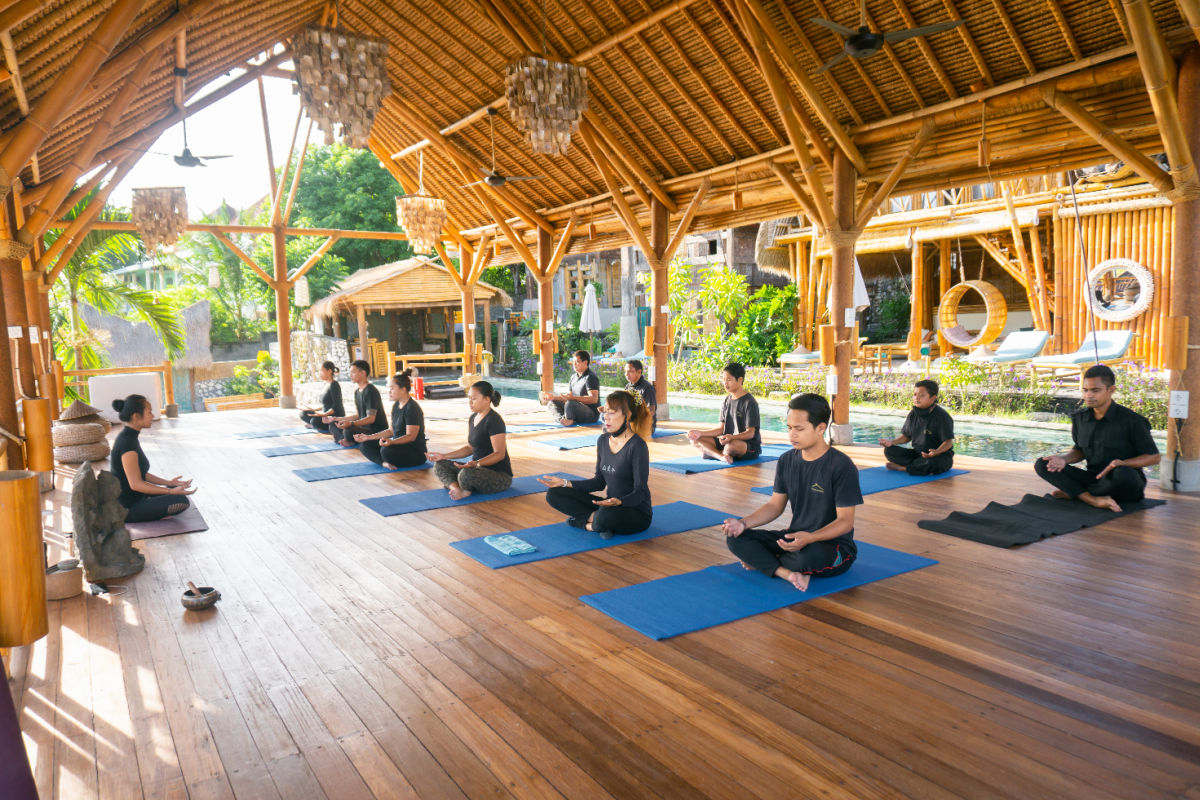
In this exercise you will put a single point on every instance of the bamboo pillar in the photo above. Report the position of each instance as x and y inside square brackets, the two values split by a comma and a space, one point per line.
[23, 618]
[468, 311]
[360, 315]
[658, 313]
[545, 250]
[945, 273]
[916, 309]
[1183, 452]
[283, 320]
[14, 307]
[842, 238]
[487, 325]
[11, 456]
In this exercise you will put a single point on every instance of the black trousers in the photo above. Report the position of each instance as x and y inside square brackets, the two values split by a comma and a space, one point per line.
[1123, 484]
[314, 419]
[398, 455]
[914, 464]
[581, 505]
[760, 549]
[582, 413]
[157, 506]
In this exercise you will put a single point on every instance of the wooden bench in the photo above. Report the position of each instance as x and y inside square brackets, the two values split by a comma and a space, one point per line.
[435, 361]
[239, 401]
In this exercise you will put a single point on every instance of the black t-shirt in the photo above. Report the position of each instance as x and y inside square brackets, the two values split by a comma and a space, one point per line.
[1121, 433]
[625, 473]
[479, 436]
[332, 400]
[582, 385]
[817, 489]
[366, 399]
[740, 414]
[404, 416]
[928, 428]
[127, 442]
[646, 389]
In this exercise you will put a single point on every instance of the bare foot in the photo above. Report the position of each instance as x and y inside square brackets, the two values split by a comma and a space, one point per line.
[746, 566]
[386, 465]
[458, 493]
[1099, 502]
[728, 459]
[894, 467]
[1059, 494]
[566, 422]
[799, 580]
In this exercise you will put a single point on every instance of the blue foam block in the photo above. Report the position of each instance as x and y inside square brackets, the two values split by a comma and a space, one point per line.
[679, 604]
[881, 479]
[579, 442]
[560, 539]
[694, 464]
[273, 433]
[301, 449]
[354, 470]
[530, 427]
[410, 502]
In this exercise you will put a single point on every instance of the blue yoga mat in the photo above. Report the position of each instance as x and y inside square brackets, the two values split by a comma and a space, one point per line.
[354, 470]
[579, 442]
[560, 539]
[301, 449]
[548, 426]
[679, 604]
[881, 479]
[694, 464]
[410, 502]
[273, 433]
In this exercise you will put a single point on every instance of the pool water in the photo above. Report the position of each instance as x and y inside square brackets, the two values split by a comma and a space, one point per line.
[1001, 442]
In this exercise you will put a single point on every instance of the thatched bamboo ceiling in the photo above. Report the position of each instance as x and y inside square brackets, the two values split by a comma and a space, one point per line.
[681, 99]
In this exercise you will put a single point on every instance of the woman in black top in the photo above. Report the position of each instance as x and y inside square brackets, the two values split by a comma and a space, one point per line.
[489, 470]
[402, 445]
[370, 417]
[331, 402]
[148, 497]
[622, 468]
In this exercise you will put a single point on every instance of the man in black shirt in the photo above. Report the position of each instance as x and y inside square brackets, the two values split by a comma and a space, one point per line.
[636, 382]
[1116, 443]
[737, 438]
[822, 485]
[581, 402]
[370, 416]
[931, 431]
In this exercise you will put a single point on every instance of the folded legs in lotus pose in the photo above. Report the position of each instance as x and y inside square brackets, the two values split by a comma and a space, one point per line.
[368, 406]
[489, 469]
[737, 438]
[581, 402]
[931, 431]
[822, 486]
[622, 469]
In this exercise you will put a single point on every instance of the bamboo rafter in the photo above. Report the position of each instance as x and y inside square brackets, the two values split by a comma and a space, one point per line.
[927, 51]
[825, 13]
[1010, 29]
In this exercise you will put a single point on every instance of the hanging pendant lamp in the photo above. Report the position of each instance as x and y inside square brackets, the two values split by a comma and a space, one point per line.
[546, 99]
[342, 79]
[160, 215]
[422, 217]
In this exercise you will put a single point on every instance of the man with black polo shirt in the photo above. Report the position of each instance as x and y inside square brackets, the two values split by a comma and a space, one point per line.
[931, 431]
[635, 381]
[822, 485]
[1114, 440]
[581, 402]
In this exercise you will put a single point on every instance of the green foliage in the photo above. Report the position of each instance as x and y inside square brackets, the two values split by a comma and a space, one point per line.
[263, 377]
[887, 320]
[501, 277]
[764, 330]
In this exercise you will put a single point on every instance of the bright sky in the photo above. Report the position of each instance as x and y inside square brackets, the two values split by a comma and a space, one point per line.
[232, 126]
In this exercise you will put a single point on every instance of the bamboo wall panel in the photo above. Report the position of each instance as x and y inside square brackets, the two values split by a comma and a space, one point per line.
[1142, 235]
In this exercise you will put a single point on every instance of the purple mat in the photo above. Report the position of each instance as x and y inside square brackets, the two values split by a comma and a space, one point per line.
[16, 778]
[189, 521]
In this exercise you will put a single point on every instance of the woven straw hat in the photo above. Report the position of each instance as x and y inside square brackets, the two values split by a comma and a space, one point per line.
[78, 409]
[67, 435]
[78, 453]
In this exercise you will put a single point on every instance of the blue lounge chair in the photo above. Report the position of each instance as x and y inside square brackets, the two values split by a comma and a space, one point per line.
[1017, 347]
[1109, 347]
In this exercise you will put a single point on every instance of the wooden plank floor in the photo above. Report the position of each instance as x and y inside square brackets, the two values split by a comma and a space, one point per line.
[355, 656]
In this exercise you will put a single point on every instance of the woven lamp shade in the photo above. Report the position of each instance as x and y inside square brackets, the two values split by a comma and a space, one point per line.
[422, 218]
[546, 100]
[341, 79]
[161, 215]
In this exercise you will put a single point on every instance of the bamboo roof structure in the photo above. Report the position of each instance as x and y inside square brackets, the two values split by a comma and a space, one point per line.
[412, 283]
[677, 94]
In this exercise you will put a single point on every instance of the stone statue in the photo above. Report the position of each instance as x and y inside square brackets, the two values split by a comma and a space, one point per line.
[101, 538]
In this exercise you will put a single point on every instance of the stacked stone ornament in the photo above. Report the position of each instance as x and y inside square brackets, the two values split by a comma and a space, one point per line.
[80, 435]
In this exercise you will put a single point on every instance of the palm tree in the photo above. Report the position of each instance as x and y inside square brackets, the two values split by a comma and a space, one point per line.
[239, 289]
[88, 277]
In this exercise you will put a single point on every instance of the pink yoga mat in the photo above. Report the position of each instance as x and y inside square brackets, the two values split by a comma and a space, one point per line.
[189, 521]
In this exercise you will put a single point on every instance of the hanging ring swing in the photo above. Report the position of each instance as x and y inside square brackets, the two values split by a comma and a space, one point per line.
[997, 315]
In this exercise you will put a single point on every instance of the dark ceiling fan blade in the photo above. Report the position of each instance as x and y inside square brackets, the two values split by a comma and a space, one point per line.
[825, 67]
[925, 30]
[469, 185]
[210, 158]
[833, 26]
[524, 177]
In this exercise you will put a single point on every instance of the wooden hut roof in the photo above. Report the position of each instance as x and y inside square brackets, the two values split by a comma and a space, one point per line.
[412, 283]
[676, 94]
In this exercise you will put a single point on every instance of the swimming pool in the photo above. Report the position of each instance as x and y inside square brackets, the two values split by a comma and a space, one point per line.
[1001, 442]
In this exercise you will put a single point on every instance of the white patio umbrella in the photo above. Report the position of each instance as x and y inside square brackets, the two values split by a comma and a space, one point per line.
[589, 321]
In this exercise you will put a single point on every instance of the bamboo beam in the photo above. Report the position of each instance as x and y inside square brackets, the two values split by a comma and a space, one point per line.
[69, 240]
[1107, 138]
[927, 51]
[626, 214]
[18, 85]
[1005, 263]
[654, 187]
[277, 194]
[312, 260]
[1007, 23]
[560, 249]
[241, 254]
[806, 202]
[273, 179]
[82, 191]
[54, 106]
[440, 249]
[180, 66]
[868, 208]
[516, 241]
[620, 167]
[18, 12]
[211, 227]
[965, 33]
[482, 255]
[1039, 276]
[685, 223]
[1031, 288]
[287, 211]
[1158, 67]
[631, 29]
[1191, 12]
[1064, 28]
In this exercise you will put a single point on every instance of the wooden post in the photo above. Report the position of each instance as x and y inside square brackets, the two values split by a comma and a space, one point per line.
[545, 251]
[487, 325]
[842, 238]
[658, 313]
[8, 399]
[1182, 457]
[468, 314]
[360, 314]
[283, 319]
[23, 617]
[916, 309]
[15, 310]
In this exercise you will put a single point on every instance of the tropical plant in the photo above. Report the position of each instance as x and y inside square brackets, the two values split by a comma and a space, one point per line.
[262, 377]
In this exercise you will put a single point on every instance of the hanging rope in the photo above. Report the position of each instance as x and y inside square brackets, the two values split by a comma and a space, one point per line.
[1087, 278]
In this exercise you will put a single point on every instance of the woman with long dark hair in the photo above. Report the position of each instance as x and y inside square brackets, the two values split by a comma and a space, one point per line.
[403, 444]
[331, 402]
[489, 470]
[148, 497]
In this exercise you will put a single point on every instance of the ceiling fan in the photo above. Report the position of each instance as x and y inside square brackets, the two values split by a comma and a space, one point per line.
[186, 158]
[494, 178]
[863, 43]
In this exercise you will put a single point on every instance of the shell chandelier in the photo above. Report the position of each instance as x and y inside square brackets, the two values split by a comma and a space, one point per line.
[341, 79]
[302, 297]
[546, 100]
[160, 215]
[422, 217]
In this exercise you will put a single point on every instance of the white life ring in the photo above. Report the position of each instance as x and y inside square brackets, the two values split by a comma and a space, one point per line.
[1124, 313]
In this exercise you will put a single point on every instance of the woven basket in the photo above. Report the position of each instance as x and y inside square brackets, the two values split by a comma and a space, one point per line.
[92, 419]
[77, 454]
[69, 435]
[76, 410]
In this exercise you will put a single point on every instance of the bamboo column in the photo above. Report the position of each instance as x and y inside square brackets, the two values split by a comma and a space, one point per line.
[658, 312]
[1184, 450]
[842, 238]
[23, 617]
[8, 400]
[283, 319]
[467, 289]
[18, 320]
[916, 309]
[545, 282]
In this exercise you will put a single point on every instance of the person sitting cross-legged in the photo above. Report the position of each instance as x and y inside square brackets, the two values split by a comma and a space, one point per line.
[930, 429]
[737, 438]
[368, 406]
[403, 444]
[489, 470]
[1114, 440]
[319, 419]
[581, 402]
[635, 381]
[822, 486]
